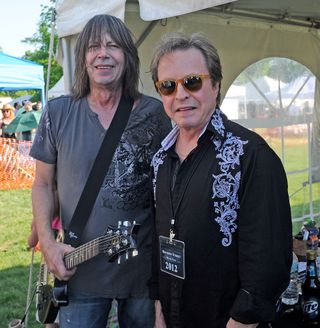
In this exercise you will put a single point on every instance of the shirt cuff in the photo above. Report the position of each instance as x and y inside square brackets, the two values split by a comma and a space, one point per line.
[248, 308]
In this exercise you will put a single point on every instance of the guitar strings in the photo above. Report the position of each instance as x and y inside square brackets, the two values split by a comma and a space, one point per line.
[93, 246]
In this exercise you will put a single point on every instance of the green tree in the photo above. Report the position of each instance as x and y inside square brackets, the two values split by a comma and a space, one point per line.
[286, 70]
[260, 68]
[41, 41]
[282, 69]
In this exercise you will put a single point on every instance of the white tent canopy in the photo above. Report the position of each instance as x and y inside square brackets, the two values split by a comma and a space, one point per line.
[244, 31]
[57, 90]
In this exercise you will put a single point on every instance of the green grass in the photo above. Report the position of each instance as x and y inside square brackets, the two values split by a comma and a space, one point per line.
[296, 158]
[298, 186]
[15, 258]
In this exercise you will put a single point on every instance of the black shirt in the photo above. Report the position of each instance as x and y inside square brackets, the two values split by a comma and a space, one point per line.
[230, 206]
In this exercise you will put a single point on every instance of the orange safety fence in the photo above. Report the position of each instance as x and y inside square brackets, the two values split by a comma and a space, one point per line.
[17, 168]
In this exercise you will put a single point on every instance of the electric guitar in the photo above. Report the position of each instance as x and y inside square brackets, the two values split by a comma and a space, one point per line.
[52, 293]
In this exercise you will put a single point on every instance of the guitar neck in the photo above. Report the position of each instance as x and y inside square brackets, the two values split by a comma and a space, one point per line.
[87, 251]
[43, 273]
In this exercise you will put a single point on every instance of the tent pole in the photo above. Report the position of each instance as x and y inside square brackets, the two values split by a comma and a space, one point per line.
[43, 98]
[50, 53]
[310, 173]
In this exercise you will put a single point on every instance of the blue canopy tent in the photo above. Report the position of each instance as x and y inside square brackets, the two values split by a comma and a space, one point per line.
[20, 74]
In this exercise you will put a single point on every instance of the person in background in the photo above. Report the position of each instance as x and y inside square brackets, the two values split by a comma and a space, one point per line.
[65, 147]
[1, 105]
[223, 245]
[26, 135]
[27, 105]
[7, 117]
[16, 107]
[23, 102]
[37, 106]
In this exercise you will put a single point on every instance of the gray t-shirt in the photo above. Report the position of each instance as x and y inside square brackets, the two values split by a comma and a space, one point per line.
[69, 135]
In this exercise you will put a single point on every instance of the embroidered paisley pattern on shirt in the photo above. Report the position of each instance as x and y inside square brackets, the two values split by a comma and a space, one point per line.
[226, 183]
[157, 160]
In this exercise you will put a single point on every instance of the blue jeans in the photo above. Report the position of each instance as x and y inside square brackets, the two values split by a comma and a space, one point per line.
[93, 313]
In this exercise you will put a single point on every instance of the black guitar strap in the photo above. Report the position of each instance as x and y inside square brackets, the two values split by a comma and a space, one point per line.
[98, 172]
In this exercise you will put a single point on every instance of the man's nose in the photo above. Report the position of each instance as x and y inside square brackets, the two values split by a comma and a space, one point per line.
[103, 51]
[181, 92]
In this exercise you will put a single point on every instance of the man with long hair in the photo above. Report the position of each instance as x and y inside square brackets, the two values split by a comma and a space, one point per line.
[68, 139]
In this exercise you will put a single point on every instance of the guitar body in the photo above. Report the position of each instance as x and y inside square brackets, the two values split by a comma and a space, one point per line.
[50, 296]
[47, 310]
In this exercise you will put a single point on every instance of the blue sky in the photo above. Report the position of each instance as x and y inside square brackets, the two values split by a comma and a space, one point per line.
[19, 19]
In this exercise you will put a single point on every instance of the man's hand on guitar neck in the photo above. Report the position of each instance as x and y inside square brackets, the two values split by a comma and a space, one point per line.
[54, 254]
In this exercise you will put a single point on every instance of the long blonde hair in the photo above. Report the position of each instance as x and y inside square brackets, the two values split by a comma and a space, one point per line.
[10, 109]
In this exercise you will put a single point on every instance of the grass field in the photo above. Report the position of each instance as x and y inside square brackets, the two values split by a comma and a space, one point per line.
[15, 258]
[296, 159]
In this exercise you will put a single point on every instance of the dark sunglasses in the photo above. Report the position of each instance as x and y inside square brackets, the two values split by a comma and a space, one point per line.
[191, 82]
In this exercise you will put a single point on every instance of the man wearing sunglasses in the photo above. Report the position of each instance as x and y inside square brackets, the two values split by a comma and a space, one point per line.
[222, 251]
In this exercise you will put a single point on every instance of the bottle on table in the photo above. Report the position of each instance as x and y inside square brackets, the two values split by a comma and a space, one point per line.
[290, 296]
[311, 293]
[289, 311]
